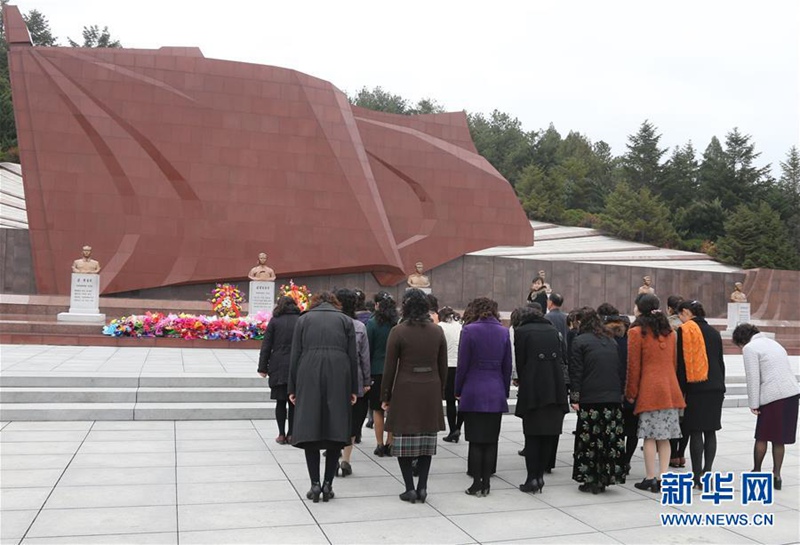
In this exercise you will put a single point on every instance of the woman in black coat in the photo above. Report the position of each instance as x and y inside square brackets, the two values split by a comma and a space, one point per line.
[542, 393]
[597, 376]
[704, 395]
[273, 361]
[323, 385]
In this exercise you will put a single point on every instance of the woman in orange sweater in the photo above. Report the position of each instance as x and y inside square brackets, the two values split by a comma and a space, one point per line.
[653, 386]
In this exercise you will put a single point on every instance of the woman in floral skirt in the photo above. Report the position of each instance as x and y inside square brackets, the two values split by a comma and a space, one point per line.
[596, 379]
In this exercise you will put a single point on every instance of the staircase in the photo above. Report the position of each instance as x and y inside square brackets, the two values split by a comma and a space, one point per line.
[42, 397]
[38, 397]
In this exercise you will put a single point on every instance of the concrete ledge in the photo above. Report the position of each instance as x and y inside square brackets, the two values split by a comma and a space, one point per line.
[78, 318]
[65, 411]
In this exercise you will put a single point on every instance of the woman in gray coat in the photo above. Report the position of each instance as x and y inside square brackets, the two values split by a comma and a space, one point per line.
[323, 384]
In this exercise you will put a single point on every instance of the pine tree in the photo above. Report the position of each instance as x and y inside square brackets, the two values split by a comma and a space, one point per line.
[501, 141]
[39, 28]
[639, 216]
[741, 181]
[756, 237]
[680, 183]
[713, 172]
[541, 194]
[546, 148]
[641, 165]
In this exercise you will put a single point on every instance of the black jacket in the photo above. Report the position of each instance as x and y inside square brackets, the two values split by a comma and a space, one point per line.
[539, 352]
[596, 373]
[716, 363]
[276, 348]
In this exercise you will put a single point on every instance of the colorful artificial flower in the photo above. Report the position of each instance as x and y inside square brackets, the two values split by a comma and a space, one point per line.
[300, 294]
[226, 300]
[189, 326]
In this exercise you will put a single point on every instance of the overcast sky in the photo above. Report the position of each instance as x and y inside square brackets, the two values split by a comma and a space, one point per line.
[694, 68]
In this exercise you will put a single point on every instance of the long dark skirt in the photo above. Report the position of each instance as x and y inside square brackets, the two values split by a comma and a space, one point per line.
[482, 427]
[777, 421]
[599, 445]
[703, 411]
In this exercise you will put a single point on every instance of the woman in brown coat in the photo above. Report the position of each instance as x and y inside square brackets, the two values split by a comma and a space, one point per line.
[653, 386]
[413, 386]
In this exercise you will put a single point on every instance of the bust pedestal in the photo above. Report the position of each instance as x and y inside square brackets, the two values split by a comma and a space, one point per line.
[84, 300]
[426, 291]
[261, 297]
[738, 313]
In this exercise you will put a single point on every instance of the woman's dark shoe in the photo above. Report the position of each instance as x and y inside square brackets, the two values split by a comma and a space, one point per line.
[345, 468]
[647, 484]
[453, 437]
[327, 491]
[281, 439]
[531, 486]
[409, 496]
[674, 462]
[379, 451]
[475, 490]
[422, 495]
[586, 487]
[626, 470]
[314, 493]
[387, 450]
[358, 440]
[288, 439]
[777, 483]
[370, 425]
[681, 462]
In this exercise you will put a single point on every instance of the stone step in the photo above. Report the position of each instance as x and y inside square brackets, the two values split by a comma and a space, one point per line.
[135, 411]
[10, 412]
[118, 380]
[131, 395]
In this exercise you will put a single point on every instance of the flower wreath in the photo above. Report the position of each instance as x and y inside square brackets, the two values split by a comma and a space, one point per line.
[300, 294]
[226, 300]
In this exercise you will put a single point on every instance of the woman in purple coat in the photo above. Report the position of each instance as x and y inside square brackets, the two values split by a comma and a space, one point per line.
[483, 378]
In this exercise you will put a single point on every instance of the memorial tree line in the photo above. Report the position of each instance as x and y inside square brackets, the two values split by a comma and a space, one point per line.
[719, 201]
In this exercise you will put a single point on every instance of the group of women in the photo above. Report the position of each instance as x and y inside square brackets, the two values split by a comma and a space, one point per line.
[645, 381]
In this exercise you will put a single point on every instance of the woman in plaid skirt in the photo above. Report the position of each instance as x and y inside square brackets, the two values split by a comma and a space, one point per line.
[413, 386]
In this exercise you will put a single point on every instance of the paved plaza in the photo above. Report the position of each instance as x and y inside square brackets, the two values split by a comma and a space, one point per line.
[229, 482]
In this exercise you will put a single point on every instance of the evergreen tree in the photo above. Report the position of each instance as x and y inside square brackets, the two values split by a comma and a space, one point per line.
[501, 141]
[39, 28]
[680, 185]
[713, 171]
[756, 237]
[787, 194]
[379, 100]
[94, 37]
[745, 180]
[641, 165]
[637, 215]
[541, 194]
[545, 151]
[699, 222]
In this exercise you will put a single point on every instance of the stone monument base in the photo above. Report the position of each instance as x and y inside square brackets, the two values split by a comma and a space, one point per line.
[81, 318]
[426, 291]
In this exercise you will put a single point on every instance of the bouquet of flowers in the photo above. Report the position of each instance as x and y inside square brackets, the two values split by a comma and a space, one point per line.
[226, 300]
[300, 294]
